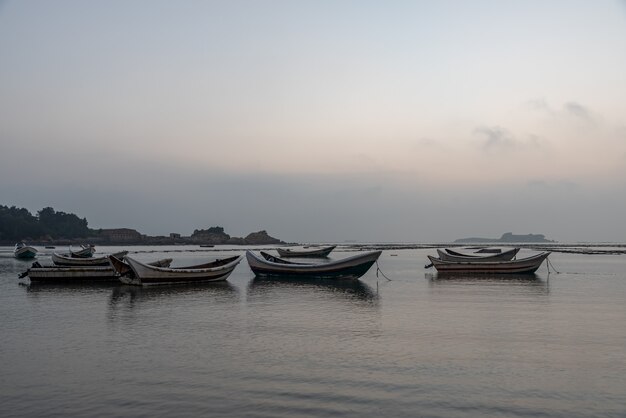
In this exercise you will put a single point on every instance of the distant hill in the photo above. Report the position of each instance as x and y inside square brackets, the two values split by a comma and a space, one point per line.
[51, 227]
[507, 237]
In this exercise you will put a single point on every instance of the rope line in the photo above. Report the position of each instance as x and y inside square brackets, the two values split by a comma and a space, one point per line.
[549, 264]
[381, 272]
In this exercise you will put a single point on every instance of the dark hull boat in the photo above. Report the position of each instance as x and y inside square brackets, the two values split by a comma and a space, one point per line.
[317, 252]
[24, 252]
[526, 265]
[450, 255]
[352, 268]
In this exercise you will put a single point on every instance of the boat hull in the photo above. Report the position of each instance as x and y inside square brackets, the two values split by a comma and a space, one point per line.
[147, 275]
[25, 253]
[71, 274]
[348, 269]
[523, 266]
[69, 261]
[86, 252]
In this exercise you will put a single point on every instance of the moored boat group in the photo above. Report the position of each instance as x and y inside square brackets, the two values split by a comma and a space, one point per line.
[504, 262]
[82, 266]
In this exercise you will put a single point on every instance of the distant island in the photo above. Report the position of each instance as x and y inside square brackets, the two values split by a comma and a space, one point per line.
[507, 237]
[59, 228]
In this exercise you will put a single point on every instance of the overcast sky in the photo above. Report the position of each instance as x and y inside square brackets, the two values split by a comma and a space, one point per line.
[319, 121]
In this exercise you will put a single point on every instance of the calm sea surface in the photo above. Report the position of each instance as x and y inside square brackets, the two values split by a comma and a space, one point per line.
[414, 346]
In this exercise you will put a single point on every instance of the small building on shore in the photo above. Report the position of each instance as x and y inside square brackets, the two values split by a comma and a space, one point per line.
[121, 235]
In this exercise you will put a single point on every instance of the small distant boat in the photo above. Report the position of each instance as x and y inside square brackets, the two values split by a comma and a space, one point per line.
[67, 260]
[451, 255]
[316, 252]
[50, 247]
[86, 251]
[207, 245]
[55, 274]
[526, 265]
[266, 265]
[145, 274]
[23, 251]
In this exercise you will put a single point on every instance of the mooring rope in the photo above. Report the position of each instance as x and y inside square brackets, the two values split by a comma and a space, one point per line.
[549, 264]
[381, 272]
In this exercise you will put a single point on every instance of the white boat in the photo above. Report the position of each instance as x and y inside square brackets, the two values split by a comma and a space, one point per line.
[23, 251]
[53, 274]
[451, 255]
[316, 252]
[68, 260]
[145, 274]
[353, 267]
[526, 265]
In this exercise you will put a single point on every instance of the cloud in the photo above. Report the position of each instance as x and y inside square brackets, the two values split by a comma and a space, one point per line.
[570, 109]
[496, 138]
[540, 105]
[579, 111]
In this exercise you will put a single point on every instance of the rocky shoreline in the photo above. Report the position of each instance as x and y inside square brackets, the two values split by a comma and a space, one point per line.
[126, 236]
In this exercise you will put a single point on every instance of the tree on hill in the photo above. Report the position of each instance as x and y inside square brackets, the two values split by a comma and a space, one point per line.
[61, 224]
[17, 224]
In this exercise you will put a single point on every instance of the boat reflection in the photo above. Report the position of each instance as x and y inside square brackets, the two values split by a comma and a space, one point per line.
[518, 281]
[68, 288]
[133, 295]
[351, 290]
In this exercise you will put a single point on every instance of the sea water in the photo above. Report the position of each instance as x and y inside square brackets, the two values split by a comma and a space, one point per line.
[415, 345]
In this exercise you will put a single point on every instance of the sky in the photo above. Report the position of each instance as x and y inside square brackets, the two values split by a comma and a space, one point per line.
[319, 121]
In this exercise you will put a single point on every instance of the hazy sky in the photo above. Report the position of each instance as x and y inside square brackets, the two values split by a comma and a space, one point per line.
[413, 121]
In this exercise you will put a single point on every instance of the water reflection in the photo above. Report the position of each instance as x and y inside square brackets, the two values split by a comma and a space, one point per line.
[14, 266]
[127, 303]
[131, 296]
[33, 289]
[530, 282]
[350, 290]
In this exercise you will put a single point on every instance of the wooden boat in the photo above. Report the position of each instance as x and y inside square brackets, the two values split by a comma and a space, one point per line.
[51, 274]
[266, 265]
[23, 251]
[67, 260]
[316, 252]
[451, 255]
[209, 272]
[521, 266]
[123, 269]
[86, 251]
